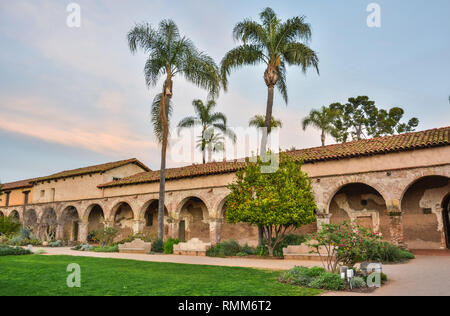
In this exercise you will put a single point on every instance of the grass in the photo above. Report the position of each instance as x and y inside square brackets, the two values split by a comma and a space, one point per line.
[46, 275]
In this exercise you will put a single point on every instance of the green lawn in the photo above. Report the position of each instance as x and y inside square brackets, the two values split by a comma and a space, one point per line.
[46, 275]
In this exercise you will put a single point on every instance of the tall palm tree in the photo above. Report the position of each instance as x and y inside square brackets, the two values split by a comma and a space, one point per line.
[322, 119]
[207, 119]
[170, 54]
[275, 44]
[211, 142]
[259, 121]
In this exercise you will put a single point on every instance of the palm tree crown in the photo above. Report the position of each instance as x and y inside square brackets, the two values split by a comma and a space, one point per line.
[259, 121]
[209, 121]
[322, 119]
[275, 44]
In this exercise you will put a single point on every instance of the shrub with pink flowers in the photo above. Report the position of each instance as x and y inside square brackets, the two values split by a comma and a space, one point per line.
[345, 244]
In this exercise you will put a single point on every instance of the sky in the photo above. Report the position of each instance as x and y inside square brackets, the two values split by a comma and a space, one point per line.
[74, 97]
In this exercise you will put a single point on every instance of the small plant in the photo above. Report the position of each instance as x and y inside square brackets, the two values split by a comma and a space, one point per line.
[55, 244]
[315, 277]
[358, 283]
[168, 245]
[158, 246]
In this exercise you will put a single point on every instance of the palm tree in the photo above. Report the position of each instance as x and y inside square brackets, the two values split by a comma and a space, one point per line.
[259, 121]
[322, 119]
[207, 119]
[170, 54]
[211, 142]
[275, 44]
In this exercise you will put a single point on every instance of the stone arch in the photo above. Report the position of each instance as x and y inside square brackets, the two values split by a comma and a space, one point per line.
[194, 219]
[69, 223]
[122, 218]
[95, 217]
[149, 216]
[360, 203]
[48, 224]
[421, 205]
[15, 214]
[30, 219]
[241, 232]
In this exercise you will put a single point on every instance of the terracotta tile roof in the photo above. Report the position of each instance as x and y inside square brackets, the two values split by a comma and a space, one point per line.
[366, 147]
[179, 173]
[17, 185]
[92, 169]
[380, 145]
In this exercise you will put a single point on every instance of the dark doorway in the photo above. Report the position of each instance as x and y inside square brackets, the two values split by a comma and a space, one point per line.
[445, 213]
[182, 234]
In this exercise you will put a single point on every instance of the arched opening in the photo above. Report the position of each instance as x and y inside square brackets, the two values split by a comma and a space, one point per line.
[446, 219]
[123, 220]
[241, 232]
[96, 219]
[15, 214]
[48, 225]
[423, 225]
[362, 204]
[194, 220]
[151, 219]
[30, 219]
[69, 221]
[1, 214]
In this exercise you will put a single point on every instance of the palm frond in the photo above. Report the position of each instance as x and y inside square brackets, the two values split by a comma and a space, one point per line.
[141, 36]
[156, 118]
[240, 56]
[281, 83]
[301, 55]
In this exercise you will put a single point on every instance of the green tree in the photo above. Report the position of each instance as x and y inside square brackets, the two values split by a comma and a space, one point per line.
[170, 54]
[211, 142]
[209, 121]
[275, 44]
[277, 202]
[360, 118]
[322, 119]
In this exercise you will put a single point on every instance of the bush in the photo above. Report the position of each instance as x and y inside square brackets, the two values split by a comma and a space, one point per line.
[315, 277]
[230, 248]
[387, 253]
[358, 282]
[168, 245]
[215, 251]
[105, 236]
[55, 244]
[84, 247]
[328, 281]
[9, 226]
[158, 246]
[113, 248]
[248, 249]
[13, 251]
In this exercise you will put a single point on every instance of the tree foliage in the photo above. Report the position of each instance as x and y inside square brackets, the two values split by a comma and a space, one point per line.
[259, 121]
[277, 202]
[322, 119]
[360, 118]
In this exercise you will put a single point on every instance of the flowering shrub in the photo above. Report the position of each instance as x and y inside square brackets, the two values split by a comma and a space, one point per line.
[345, 243]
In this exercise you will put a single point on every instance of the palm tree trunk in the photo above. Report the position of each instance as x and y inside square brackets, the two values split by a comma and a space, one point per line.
[323, 138]
[267, 130]
[165, 99]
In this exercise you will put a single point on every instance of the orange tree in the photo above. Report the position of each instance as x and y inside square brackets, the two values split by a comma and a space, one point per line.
[278, 202]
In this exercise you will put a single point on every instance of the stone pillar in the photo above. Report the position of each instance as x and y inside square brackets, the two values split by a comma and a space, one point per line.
[396, 228]
[174, 228]
[215, 230]
[323, 219]
[138, 226]
[60, 231]
[109, 224]
[83, 231]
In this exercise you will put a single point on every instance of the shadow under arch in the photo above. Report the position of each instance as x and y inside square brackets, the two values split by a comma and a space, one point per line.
[361, 203]
[423, 220]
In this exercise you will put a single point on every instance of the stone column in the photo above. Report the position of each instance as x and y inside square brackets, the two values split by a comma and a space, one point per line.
[215, 230]
[396, 228]
[138, 226]
[60, 231]
[83, 231]
[323, 219]
[174, 228]
[109, 224]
